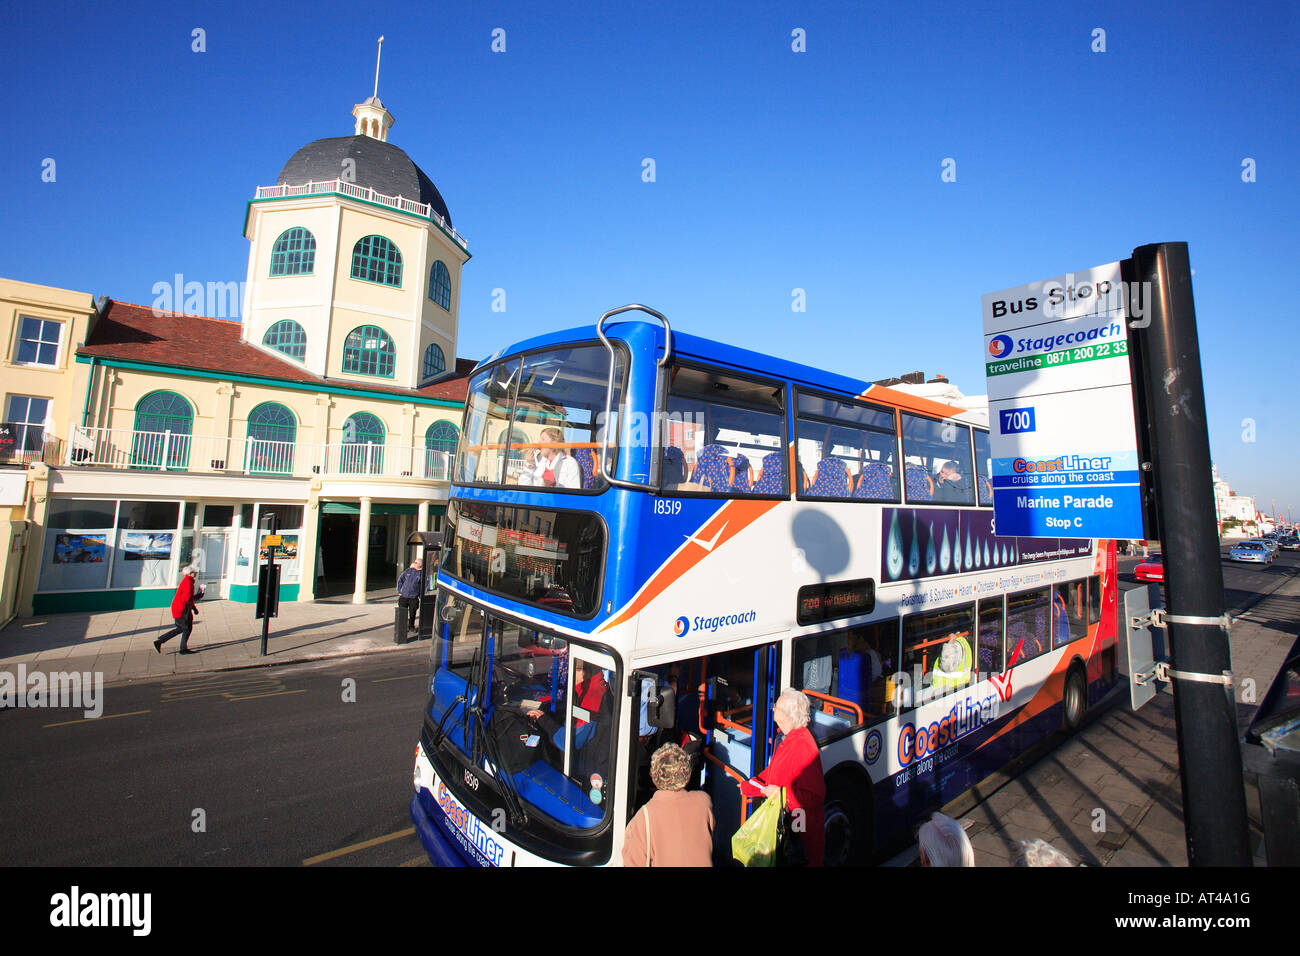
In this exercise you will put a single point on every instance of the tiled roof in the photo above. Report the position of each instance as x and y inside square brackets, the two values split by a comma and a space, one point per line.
[134, 333]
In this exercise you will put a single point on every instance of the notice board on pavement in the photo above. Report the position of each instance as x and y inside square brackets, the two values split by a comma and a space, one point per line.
[1061, 431]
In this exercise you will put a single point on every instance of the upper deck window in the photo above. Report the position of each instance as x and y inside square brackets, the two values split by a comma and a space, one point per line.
[724, 435]
[536, 421]
[983, 467]
[846, 450]
[937, 461]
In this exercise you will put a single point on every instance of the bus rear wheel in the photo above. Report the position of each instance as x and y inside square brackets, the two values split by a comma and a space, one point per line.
[848, 821]
[1075, 700]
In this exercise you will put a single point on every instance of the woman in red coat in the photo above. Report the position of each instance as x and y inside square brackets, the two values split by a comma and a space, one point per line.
[797, 766]
[184, 608]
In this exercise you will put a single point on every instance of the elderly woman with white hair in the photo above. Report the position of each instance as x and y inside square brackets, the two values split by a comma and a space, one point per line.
[943, 842]
[676, 827]
[184, 609]
[797, 766]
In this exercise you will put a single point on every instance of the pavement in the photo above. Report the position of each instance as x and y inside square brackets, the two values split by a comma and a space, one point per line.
[226, 636]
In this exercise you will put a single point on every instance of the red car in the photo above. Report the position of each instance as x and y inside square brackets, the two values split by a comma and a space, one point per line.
[1153, 569]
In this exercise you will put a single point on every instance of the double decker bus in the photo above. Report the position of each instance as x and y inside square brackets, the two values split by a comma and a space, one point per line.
[650, 535]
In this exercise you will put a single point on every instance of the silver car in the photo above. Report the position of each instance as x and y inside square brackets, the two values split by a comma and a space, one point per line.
[1251, 551]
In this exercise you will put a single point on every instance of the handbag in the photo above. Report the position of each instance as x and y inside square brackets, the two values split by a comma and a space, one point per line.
[757, 841]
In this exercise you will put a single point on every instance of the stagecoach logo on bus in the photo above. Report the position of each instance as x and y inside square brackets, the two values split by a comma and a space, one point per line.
[871, 750]
[684, 625]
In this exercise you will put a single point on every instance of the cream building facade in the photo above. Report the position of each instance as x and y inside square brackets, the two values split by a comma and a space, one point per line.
[334, 403]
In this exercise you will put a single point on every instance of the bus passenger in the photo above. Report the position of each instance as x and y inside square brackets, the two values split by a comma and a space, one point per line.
[949, 485]
[676, 827]
[797, 766]
[943, 842]
[551, 466]
[952, 669]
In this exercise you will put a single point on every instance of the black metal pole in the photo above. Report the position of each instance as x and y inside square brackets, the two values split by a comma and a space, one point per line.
[270, 584]
[1209, 750]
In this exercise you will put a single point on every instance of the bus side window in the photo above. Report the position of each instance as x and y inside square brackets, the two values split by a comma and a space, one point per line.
[990, 655]
[1029, 624]
[1069, 614]
[926, 650]
[1094, 600]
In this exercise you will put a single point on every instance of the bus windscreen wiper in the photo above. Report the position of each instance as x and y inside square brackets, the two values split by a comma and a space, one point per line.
[462, 699]
[517, 815]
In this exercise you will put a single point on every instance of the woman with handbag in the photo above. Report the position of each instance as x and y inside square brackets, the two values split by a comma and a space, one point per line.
[796, 765]
[676, 827]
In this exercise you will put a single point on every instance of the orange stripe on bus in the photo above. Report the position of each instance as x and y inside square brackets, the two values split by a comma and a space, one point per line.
[737, 515]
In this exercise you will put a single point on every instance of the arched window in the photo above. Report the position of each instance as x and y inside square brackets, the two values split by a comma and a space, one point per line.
[163, 424]
[440, 285]
[375, 259]
[294, 253]
[287, 336]
[439, 449]
[271, 433]
[435, 363]
[363, 445]
[368, 350]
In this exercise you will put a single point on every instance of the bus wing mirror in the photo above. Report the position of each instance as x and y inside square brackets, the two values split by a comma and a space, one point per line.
[661, 711]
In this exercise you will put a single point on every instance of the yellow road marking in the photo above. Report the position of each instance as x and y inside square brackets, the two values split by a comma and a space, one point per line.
[88, 720]
[278, 693]
[365, 845]
[380, 680]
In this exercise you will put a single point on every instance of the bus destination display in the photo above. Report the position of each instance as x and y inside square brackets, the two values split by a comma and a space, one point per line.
[829, 602]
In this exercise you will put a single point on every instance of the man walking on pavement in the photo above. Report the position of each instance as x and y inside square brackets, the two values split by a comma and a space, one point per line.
[410, 585]
[184, 609]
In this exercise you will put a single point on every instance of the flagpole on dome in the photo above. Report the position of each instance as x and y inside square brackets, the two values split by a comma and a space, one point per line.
[377, 56]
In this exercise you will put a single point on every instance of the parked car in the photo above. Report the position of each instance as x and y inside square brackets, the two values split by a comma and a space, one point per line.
[1251, 551]
[1152, 569]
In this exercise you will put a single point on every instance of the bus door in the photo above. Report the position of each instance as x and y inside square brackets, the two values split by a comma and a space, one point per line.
[589, 720]
[740, 689]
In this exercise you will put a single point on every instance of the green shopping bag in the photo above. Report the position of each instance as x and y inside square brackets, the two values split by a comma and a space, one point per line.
[756, 842]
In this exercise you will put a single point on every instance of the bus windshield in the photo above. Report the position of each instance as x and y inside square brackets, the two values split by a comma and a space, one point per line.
[527, 710]
[536, 420]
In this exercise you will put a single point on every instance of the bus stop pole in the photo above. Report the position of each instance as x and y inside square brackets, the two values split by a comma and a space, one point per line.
[1209, 749]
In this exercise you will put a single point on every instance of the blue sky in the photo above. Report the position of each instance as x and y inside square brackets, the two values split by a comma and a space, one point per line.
[775, 170]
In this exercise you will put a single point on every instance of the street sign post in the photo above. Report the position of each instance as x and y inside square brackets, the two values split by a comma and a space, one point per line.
[268, 580]
[1061, 430]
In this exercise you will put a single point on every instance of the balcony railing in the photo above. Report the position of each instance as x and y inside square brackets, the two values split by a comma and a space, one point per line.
[345, 188]
[215, 454]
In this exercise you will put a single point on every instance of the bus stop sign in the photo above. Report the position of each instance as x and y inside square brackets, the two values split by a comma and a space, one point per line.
[1061, 431]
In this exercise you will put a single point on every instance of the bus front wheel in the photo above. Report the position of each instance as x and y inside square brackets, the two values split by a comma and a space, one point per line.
[848, 820]
[1075, 700]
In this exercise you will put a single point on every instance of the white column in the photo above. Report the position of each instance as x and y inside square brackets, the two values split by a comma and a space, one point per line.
[363, 553]
[424, 517]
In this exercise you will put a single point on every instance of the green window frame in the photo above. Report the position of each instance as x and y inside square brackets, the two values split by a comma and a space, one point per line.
[440, 285]
[369, 350]
[362, 429]
[439, 438]
[376, 259]
[288, 338]
[272, 431]
[435, 360]
[156, 414]
[294, 253]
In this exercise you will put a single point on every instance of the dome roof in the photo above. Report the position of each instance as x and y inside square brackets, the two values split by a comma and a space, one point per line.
[380, 166]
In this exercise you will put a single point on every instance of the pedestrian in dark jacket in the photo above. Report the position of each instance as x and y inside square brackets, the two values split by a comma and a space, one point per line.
[184, 609]
[410, 585]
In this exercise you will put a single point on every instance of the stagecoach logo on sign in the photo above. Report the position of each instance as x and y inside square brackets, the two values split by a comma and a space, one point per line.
[681, 627]
[871, 751]
[999, 345]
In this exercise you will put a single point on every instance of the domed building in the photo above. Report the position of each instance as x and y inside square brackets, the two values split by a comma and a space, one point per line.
[354, 266]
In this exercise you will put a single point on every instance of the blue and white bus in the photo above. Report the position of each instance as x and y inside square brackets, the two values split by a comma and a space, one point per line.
[651, 534]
